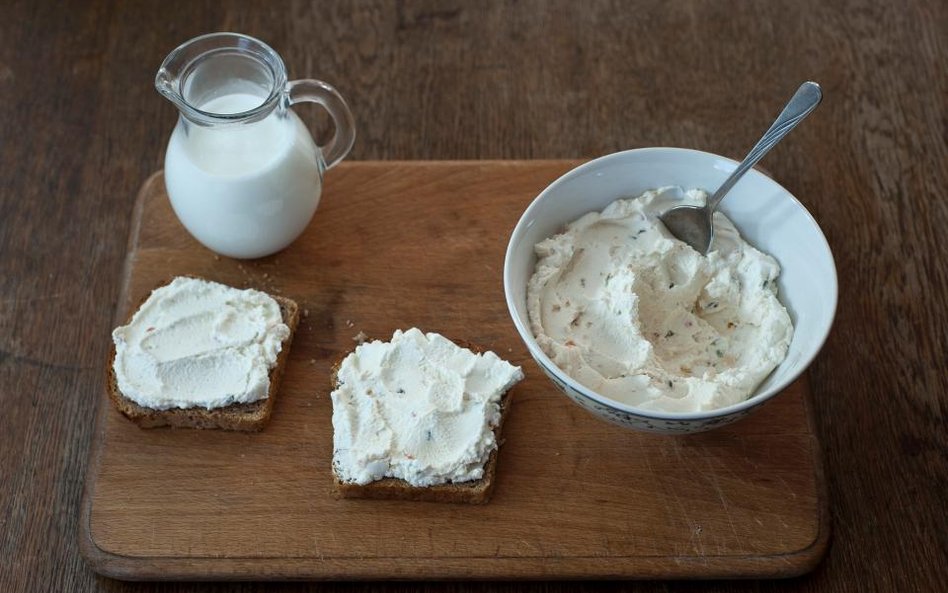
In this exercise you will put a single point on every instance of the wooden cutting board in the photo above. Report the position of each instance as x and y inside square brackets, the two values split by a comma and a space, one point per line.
[401, 244]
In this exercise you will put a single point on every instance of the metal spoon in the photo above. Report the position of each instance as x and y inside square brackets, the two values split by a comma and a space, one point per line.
[694, 224]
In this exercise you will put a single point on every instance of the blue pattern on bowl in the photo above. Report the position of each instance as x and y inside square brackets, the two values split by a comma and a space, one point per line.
[640, 420]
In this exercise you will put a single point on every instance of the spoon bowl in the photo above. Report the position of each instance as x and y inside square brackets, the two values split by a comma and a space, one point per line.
[691, 224]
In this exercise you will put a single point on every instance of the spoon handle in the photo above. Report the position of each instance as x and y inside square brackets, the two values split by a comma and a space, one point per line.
[803, 102]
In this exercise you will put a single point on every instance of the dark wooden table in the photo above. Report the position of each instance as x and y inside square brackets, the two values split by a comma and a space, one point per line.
[81, 128]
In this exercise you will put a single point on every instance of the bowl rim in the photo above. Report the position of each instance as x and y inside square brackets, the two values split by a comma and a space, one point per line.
[526, 334]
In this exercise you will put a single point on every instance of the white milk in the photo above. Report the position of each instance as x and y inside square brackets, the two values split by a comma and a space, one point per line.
[244, 190]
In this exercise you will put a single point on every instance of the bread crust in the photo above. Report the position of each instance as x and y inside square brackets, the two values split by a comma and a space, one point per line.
[471, 492]
[244, 417]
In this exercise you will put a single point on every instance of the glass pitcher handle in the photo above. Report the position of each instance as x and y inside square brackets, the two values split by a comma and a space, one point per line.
[315, 91]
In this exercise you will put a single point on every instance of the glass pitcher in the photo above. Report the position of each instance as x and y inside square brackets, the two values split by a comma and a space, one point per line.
[242, 171]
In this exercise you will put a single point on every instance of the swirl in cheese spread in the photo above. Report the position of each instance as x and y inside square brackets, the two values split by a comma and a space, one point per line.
[418, 408]
[195, 343]
[638, 316]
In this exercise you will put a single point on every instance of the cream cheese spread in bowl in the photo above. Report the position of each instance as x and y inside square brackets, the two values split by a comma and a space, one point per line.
[195, 343]
[633, 313]
[418, 408]
[770, 219]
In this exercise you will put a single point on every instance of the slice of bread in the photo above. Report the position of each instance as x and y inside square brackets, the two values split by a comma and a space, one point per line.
[246, 417]
[472, 492]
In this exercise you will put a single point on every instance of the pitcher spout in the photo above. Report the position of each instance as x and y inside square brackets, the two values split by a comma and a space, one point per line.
[164, 84]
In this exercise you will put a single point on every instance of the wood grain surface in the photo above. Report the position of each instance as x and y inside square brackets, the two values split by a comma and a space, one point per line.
[392, 246]
[81, 128]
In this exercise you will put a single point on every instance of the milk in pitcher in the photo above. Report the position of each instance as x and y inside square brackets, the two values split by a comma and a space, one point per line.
[248, 190]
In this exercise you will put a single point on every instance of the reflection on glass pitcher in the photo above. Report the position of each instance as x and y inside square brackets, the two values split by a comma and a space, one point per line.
[242, 171]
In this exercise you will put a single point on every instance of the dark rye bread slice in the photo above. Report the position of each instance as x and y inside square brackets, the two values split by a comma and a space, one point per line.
[246, 417]
[471, 492]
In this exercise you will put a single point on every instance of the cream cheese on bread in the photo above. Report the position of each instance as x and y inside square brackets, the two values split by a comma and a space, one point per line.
[195, 343]
[636, 315]
[418, 408]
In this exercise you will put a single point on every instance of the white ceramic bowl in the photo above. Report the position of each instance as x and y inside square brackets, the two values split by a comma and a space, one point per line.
[765, 213]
